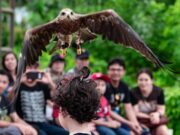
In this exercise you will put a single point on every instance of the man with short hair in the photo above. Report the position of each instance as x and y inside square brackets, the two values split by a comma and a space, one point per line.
[117, 92]
[81, 61]
[56, 67]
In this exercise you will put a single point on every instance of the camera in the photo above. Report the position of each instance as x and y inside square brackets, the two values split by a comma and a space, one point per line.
[34, 75]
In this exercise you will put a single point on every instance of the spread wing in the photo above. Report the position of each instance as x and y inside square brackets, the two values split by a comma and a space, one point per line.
[36, 39]
[112, 27]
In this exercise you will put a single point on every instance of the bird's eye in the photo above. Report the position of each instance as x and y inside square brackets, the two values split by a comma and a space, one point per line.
[71, 13]
[63, 13]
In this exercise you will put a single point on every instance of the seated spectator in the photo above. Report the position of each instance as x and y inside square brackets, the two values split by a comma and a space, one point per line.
[81, 61]
[56, 71]
[34, 92]
[56, 67]
[148, 101]
[109, 122]
[9, 63]
[78, 103]
[7, 127]
[8, 91]
[117, 92]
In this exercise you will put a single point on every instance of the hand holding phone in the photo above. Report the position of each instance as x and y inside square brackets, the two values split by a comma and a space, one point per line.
[34, 75]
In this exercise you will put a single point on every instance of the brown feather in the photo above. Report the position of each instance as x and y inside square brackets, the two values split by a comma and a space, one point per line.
[36, 40]
[111, 26]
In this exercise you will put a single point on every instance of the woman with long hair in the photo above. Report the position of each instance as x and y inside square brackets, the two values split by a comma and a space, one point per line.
[149, 104]
[9, 63]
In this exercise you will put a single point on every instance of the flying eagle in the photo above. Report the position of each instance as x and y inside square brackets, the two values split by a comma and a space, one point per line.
[83, 27]
[69, 25]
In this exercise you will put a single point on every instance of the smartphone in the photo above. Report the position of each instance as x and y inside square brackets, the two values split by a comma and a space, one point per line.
[34, 75]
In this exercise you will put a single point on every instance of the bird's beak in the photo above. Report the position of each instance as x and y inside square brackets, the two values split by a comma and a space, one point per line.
[68, 16]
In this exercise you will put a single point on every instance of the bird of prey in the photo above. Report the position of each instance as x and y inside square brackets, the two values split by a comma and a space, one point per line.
[83, 27]
[69, 25]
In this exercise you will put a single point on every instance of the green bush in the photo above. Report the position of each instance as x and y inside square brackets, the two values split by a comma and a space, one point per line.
[173, 108]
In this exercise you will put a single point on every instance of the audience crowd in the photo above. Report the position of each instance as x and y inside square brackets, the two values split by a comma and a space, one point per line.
[55, 102]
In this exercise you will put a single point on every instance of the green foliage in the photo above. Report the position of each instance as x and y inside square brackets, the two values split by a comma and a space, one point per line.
[173, 108]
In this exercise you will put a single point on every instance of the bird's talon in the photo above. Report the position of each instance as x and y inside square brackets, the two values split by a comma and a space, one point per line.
[79, 51]
[63, 52]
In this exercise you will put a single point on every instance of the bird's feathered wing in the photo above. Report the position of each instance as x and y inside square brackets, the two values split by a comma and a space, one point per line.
[35, 41]
[112, 27]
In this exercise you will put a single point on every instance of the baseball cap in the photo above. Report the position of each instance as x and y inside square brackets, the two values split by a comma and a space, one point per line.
[101, 76]
[84, 55]
[56, 57]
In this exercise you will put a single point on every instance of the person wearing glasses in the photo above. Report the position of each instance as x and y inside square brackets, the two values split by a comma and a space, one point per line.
[117, 93]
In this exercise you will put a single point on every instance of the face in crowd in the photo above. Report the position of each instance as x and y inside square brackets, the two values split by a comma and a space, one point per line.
[4, 82]
[101, 86]
[10, 62]
[58, 66]
[80, 63]
[145, 81]
[29, 81]
[115, 72]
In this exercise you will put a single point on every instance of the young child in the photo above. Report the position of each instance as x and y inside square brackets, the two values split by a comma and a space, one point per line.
[78, 102]
[7, 127]
[109, 123]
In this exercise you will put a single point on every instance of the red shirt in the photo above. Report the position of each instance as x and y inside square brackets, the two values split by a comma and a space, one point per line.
[104, 111]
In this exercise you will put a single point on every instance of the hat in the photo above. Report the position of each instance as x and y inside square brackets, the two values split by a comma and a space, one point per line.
[84, 55]
[56, 57]
[101, 76]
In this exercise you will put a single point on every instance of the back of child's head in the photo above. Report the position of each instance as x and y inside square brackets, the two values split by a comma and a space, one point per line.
[78, 97]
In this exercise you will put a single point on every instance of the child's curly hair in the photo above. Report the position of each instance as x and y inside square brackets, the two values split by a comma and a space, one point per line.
[78, 96]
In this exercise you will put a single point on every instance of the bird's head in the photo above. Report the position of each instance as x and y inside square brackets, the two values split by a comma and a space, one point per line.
[66, 14]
